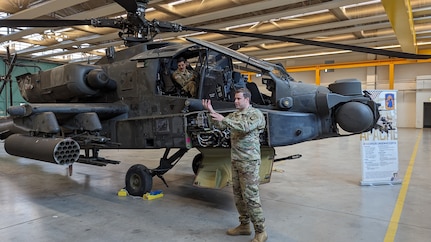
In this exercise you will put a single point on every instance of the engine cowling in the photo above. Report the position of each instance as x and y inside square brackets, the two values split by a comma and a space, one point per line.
[64, 83]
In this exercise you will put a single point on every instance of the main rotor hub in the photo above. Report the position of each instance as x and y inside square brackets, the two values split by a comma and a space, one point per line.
[142, 7]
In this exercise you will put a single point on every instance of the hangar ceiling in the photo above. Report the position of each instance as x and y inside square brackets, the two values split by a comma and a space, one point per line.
[395, 25]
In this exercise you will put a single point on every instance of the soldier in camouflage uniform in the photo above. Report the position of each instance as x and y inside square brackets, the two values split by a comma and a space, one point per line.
[245, 125]
[185, 77]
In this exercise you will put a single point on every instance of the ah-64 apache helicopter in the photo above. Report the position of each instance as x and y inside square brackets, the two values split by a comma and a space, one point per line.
[128, 100]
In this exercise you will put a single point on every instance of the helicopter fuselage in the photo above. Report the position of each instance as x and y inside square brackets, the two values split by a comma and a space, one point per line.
[133, 103]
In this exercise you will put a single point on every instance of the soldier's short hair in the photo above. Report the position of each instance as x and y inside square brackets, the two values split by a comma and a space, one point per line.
[245, 92]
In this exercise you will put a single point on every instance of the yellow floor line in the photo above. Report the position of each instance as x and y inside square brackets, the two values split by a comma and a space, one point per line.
[396, 214]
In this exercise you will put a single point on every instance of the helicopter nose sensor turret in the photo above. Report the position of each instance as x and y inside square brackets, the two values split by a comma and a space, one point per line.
[358, 114]
[355, 117]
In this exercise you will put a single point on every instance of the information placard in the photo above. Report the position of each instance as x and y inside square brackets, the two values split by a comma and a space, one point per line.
[379, 147]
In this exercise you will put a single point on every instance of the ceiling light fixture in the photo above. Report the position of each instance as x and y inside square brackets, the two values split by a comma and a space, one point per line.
[362, 4]
[178, 2]
[189, 35]
[307, 55]
[58, 36]
[241, 25]
[298, 16]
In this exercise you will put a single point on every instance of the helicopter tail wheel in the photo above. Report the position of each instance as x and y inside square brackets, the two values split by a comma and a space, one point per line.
[138, 180]
[197, 162]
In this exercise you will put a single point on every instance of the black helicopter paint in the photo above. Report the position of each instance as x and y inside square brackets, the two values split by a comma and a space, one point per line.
[127, 100]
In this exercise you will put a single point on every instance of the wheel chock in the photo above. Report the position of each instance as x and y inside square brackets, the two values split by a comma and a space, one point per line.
[153, 195]
[122, 193]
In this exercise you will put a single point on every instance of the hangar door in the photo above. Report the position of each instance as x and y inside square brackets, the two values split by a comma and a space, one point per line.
[427, 114]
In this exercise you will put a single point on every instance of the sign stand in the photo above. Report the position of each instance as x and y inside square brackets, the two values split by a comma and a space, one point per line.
[379, 147]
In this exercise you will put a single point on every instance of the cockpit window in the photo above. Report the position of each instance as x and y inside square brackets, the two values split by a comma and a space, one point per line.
[281, 73]
[167, 85]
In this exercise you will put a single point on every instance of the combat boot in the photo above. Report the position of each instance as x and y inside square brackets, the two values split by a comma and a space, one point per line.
[242, 229]
[260, 237]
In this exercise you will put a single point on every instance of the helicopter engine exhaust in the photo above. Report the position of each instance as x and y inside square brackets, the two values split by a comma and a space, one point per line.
[54, 150]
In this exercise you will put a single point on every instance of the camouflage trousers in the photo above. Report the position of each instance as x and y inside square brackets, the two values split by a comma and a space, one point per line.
[245, 181]
[190, 87]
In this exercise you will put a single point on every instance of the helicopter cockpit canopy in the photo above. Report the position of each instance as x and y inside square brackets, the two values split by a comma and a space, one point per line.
[220, 76]
[263, 66]
[215, 74]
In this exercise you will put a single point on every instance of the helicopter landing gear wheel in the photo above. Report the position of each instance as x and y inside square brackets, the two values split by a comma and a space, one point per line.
[197, 162]
[138, 180]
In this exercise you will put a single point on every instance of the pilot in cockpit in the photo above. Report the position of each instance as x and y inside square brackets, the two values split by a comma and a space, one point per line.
[185, 77]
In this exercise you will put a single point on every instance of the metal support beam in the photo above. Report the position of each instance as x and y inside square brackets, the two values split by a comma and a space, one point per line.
[340, 14]
[391, 76]
[44, 8]
[359, 64]
[400, 15]
[317, 77]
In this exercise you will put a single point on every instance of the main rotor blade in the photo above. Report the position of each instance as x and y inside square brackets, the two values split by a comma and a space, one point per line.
[368, 50]
[11, 23]
[129, 5]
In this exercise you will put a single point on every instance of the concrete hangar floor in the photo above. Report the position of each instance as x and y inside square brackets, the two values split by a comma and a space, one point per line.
[317, 197]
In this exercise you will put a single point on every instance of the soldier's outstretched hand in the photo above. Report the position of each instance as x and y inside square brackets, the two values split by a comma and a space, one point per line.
[207, 105]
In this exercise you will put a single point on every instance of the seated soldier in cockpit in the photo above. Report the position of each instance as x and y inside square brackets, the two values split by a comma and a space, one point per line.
[185, 77]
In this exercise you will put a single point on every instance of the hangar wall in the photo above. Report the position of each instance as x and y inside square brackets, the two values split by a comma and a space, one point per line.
[378, 78]
[374, 77]
[25, 67]
[423, 95]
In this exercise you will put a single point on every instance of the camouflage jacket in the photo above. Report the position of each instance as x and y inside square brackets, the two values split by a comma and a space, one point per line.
[245, 127]
[183, 77]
